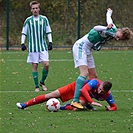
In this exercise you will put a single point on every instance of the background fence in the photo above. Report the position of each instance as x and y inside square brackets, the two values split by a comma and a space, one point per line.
[63, 18]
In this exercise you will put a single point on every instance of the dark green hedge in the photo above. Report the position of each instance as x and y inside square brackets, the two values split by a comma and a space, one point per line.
[63, 17]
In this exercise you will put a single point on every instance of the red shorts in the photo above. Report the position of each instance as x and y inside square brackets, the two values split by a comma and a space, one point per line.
[67, 92]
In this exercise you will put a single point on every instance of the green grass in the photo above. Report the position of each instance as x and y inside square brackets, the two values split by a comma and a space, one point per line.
[16, 85]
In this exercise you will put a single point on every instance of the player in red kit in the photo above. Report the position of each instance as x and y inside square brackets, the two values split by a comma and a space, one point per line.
[93, 88]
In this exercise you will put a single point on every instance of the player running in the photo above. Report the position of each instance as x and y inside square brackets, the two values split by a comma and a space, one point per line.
[93, 88]
[95, 39]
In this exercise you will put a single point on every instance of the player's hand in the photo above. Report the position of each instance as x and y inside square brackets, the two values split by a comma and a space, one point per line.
[109, 26]
[23, 47]
[109, 10]
[50, 46]
[96, 104]
[107, 108]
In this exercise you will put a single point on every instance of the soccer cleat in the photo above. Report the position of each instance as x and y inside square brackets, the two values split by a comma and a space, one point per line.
[43, 86]
[66, 107]
[91, 108]
[21, 105]
[77, 105]
[37, 89]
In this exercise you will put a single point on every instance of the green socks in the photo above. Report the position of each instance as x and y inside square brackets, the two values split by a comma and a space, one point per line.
[44, 75]
[79, 84]
[35, 77]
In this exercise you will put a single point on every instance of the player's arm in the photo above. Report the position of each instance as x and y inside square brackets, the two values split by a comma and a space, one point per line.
[100, 28]
[23, 37]
[110, 101]
[50, 46]
[109, 19]
[85, 92]
[49, 34]
[103, 30]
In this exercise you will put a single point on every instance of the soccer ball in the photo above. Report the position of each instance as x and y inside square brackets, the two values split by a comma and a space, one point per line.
[53, 105]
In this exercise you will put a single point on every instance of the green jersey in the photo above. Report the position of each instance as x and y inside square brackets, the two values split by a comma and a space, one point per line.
[36, 30]
[98, 38]
[95, 36]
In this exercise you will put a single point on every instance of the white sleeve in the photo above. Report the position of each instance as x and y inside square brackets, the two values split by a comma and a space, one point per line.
[24, 33]
[24, 30]
[100, 28]
[49, 37]
[23, 38]
[109, 19]
[48, 28]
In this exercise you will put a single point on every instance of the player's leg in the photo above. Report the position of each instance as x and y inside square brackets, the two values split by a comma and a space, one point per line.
[35, 76]
[44, 75]
[92, 73]
[68, 106]
[33, 59]
[80, 61]
[80, 82]
[85, 103]
[91, 67]
[44, 58]
[39, 99]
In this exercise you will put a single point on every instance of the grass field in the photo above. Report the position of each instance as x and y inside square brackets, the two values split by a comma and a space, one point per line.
[16, 85]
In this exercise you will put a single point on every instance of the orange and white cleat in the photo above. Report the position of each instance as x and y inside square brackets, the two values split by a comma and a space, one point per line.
[77, 105]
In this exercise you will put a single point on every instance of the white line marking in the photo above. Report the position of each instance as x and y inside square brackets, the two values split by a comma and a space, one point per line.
[60, 60]
[51, 91]
[70, 51]
[122, 91]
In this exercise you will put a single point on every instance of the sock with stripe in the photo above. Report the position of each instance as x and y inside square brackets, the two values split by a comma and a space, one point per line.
[36, 100]
[44, 75]
[35, 77]
[79, 84]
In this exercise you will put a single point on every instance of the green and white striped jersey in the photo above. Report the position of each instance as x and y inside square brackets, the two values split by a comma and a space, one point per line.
[99, 38]
[36, 29]
[94, 36]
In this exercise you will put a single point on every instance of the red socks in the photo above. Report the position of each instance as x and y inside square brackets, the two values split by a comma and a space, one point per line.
[69, 107]
[36, 100]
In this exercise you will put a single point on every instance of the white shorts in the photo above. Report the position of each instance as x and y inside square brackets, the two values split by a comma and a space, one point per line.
[37, 57]
[82, 58]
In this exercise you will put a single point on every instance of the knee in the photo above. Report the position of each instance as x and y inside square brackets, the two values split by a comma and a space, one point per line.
[93, 76]
[84, 74]
[46, 65]
[34, 67]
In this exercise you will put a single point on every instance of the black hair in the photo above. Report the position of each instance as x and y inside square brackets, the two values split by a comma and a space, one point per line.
[107, 86]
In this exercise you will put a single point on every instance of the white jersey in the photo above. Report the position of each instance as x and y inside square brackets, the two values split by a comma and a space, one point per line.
[84, 43]
[36, 29]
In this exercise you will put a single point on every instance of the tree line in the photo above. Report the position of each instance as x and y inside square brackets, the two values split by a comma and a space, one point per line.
[63, 17]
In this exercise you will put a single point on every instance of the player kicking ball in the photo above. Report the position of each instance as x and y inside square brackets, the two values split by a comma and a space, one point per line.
[93, 88]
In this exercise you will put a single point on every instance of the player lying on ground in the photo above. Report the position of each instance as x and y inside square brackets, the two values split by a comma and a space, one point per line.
[93, 88]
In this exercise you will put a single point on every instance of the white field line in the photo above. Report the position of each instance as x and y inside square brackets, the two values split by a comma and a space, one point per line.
[70, 51]
[56, 60]
[51, 91]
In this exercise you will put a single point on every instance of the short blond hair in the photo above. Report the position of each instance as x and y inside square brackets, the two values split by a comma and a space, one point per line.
[127, 33]
[34, 2]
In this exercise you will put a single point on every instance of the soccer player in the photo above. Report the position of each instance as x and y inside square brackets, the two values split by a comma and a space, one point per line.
[37, 28]
[93, 88]
[95, 39]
